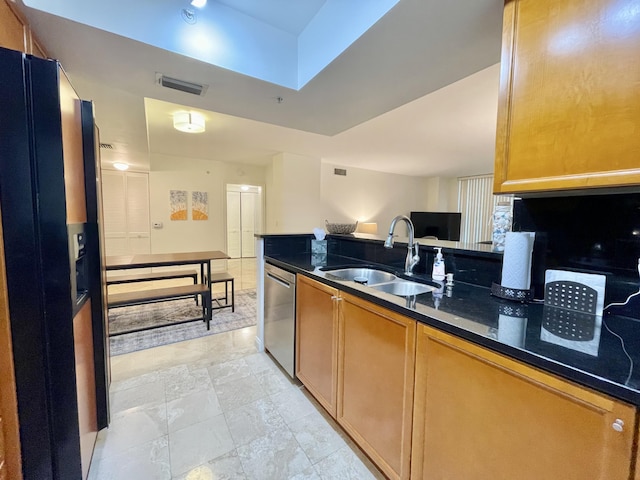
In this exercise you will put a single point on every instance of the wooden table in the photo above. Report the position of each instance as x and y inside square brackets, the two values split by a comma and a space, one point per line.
[125, 262]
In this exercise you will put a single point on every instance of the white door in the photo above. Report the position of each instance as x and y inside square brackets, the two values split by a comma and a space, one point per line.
[247, 221]
[138, 213]
[125, 203]
[114, 207]
[234, 240]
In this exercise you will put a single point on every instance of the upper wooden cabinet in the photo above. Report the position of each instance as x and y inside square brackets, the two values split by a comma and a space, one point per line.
[12, 30]
[568, 115]
[15, 34]
[479, 415]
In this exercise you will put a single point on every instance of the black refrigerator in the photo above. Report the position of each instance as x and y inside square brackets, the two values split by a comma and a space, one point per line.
[52, 265]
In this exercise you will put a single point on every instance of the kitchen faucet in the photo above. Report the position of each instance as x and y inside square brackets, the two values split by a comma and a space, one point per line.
[412, 257]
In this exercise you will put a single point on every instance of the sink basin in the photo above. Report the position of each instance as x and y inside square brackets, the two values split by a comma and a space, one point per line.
[404, 288]
[365, 276]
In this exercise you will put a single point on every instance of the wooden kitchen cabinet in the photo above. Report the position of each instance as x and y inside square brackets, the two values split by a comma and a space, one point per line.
[480, 415]
[15, 33]
[376, 358]
[317, 340]
[568, 114]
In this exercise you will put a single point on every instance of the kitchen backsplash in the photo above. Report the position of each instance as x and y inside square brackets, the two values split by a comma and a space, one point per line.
[590, 233]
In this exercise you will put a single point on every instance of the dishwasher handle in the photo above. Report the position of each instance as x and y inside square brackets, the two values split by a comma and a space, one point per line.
[279, 280]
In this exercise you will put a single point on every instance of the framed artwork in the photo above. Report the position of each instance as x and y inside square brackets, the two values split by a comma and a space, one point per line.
[178, 204]
[199, 206]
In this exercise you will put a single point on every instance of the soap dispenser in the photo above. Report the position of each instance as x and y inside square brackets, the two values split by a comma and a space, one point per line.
[438, 272]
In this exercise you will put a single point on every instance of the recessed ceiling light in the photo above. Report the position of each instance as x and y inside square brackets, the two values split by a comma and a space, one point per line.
[190, 122]
[121, 166]
[198, 3]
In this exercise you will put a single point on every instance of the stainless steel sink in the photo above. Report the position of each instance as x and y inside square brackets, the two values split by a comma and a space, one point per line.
[365, 276]
[404, 288]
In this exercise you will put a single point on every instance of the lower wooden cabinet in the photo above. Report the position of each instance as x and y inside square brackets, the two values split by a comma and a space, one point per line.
[376, 355]
[317, 340]
[479, 415]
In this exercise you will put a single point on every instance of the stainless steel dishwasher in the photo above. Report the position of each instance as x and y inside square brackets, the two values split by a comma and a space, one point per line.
[280, 316]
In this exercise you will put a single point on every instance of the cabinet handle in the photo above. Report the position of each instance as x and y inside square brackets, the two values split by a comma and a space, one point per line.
[336, 298]
[618, 425]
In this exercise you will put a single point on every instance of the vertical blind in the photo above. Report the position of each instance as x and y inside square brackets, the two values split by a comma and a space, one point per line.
[476, 203]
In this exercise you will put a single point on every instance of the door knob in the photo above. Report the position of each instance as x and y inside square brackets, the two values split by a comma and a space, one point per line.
[618, 425]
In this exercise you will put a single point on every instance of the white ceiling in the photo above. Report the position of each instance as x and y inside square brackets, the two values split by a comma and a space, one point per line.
[416, 94]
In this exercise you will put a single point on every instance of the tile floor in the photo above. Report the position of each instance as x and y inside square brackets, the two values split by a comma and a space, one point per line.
[215, 408]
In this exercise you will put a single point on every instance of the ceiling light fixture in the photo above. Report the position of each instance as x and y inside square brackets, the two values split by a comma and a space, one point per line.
[198, 3]
[121, 166]
[190, 122]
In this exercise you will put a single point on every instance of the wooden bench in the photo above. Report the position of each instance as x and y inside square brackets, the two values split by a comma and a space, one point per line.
[227, 279]
[161, 294]
[147, 277]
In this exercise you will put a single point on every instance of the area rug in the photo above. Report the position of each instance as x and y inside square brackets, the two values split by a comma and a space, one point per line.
[123, 319]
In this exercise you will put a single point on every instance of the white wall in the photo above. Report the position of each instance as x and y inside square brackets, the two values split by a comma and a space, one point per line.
[300, 194]
[442, 194]
[293, 194]
[369, 196]
[173, 173]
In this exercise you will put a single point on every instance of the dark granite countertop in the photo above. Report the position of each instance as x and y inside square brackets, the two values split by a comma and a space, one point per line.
[587, 350]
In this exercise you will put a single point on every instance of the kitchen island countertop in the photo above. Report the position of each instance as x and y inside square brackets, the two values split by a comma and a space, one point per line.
[586, 350]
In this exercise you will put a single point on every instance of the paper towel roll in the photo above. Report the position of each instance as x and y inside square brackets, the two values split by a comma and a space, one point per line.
[516, 261]
[512, 330]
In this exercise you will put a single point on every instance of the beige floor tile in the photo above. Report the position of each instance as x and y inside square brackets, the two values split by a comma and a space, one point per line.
[344, 464]
[260, 361]
[149, 461]
[253, 420]
[191, 409]
[307, 474]
[132, 428]
[241, 391]
[137, 396]
[292, 404]
[227, 371]
[186, 382]
[275, 456]
[274, 381]
[198, 444]
[317, 437]
[226, 467]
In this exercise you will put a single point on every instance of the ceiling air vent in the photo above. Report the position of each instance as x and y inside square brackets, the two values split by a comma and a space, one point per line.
[340, 171]
[106, 146]
[182, 85]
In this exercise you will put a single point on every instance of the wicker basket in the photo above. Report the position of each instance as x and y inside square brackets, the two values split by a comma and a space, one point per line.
[341, 228]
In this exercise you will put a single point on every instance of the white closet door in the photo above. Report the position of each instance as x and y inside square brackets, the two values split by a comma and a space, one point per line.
[247, 216]
[138, 213]
[234, 249]
[114, 208]
[125, 204]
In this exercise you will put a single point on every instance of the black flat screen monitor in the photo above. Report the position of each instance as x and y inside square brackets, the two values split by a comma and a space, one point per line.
[443, 225]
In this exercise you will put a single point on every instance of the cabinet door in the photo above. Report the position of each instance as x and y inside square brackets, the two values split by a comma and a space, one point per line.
[376, 358]
[569, 91]
[479, 415]
[12, 30]
[317, 339]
